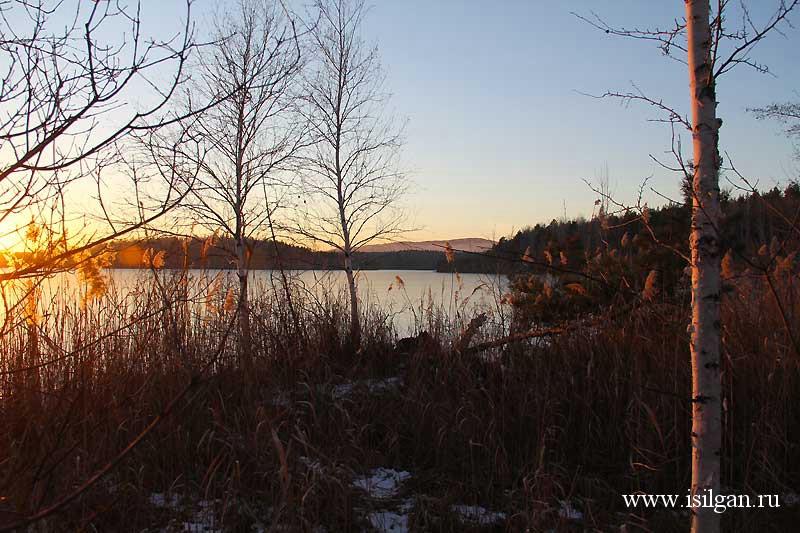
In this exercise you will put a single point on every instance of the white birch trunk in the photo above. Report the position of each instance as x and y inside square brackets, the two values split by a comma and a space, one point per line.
[704, 243]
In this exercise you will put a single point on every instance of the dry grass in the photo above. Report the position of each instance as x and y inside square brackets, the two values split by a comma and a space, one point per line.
[583, 418]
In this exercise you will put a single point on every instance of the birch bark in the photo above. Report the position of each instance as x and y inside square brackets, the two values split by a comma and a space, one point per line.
[705, 253]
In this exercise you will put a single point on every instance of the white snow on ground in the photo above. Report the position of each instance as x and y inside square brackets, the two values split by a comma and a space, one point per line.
[164, 500]
[373, 386]
[475, 514]
[388, 521]
[569, 512]
[196, 516]
[204, 519]
[199, 527]
[392, 521]
[382, 483]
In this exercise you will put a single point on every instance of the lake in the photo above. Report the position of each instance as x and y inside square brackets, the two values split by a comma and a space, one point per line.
[401, 294]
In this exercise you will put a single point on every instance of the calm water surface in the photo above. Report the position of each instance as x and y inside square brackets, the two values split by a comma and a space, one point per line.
[400, 293]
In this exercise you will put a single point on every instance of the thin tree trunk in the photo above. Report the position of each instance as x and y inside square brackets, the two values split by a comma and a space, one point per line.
[287, 290]
[243, 309]
[33, 385]
[704, 243]
[355, 323]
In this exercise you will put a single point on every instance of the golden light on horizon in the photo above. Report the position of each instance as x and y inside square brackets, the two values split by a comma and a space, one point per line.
[9, 241]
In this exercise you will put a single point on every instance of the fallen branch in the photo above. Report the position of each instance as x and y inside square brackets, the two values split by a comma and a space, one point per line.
[462, 344]
[516, 337]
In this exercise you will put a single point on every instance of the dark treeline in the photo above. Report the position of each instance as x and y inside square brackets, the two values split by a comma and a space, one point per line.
[750, 222]
[566, 269]
[178, 253]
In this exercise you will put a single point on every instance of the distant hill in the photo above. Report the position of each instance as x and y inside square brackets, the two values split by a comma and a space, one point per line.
[266, 254]
[466, 245]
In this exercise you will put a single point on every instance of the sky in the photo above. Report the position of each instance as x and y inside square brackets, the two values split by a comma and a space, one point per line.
[500, 135]
[501, 131]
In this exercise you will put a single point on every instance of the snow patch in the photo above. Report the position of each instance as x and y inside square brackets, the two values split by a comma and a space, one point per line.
[373, 386]
[204, 519]
[392, 521]
[164, 500]
[196, 516]
[569, 512]
[381, 483]
[475, 514]
[389, 521]
[199, 527]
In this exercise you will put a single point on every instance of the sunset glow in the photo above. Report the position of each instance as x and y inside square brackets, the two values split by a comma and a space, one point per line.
[419, 266]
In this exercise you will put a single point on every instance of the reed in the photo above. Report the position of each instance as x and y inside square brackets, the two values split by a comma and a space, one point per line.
[538, 430]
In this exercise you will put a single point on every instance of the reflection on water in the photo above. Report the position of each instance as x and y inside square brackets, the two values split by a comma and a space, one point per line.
[401, 294]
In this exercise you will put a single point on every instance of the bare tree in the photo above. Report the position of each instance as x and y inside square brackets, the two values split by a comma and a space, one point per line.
[710, 51]
[70, 76]
[251, 136]
[78, 82]
[789, 114]
[351, 178]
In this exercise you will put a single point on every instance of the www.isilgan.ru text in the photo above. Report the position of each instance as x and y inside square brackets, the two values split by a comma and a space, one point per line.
[719, 502]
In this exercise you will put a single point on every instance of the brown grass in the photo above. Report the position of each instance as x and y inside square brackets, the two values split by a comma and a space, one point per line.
[597, 412]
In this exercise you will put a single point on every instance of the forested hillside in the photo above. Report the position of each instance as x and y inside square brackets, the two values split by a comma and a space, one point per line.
[563, 269]
[213, 253]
